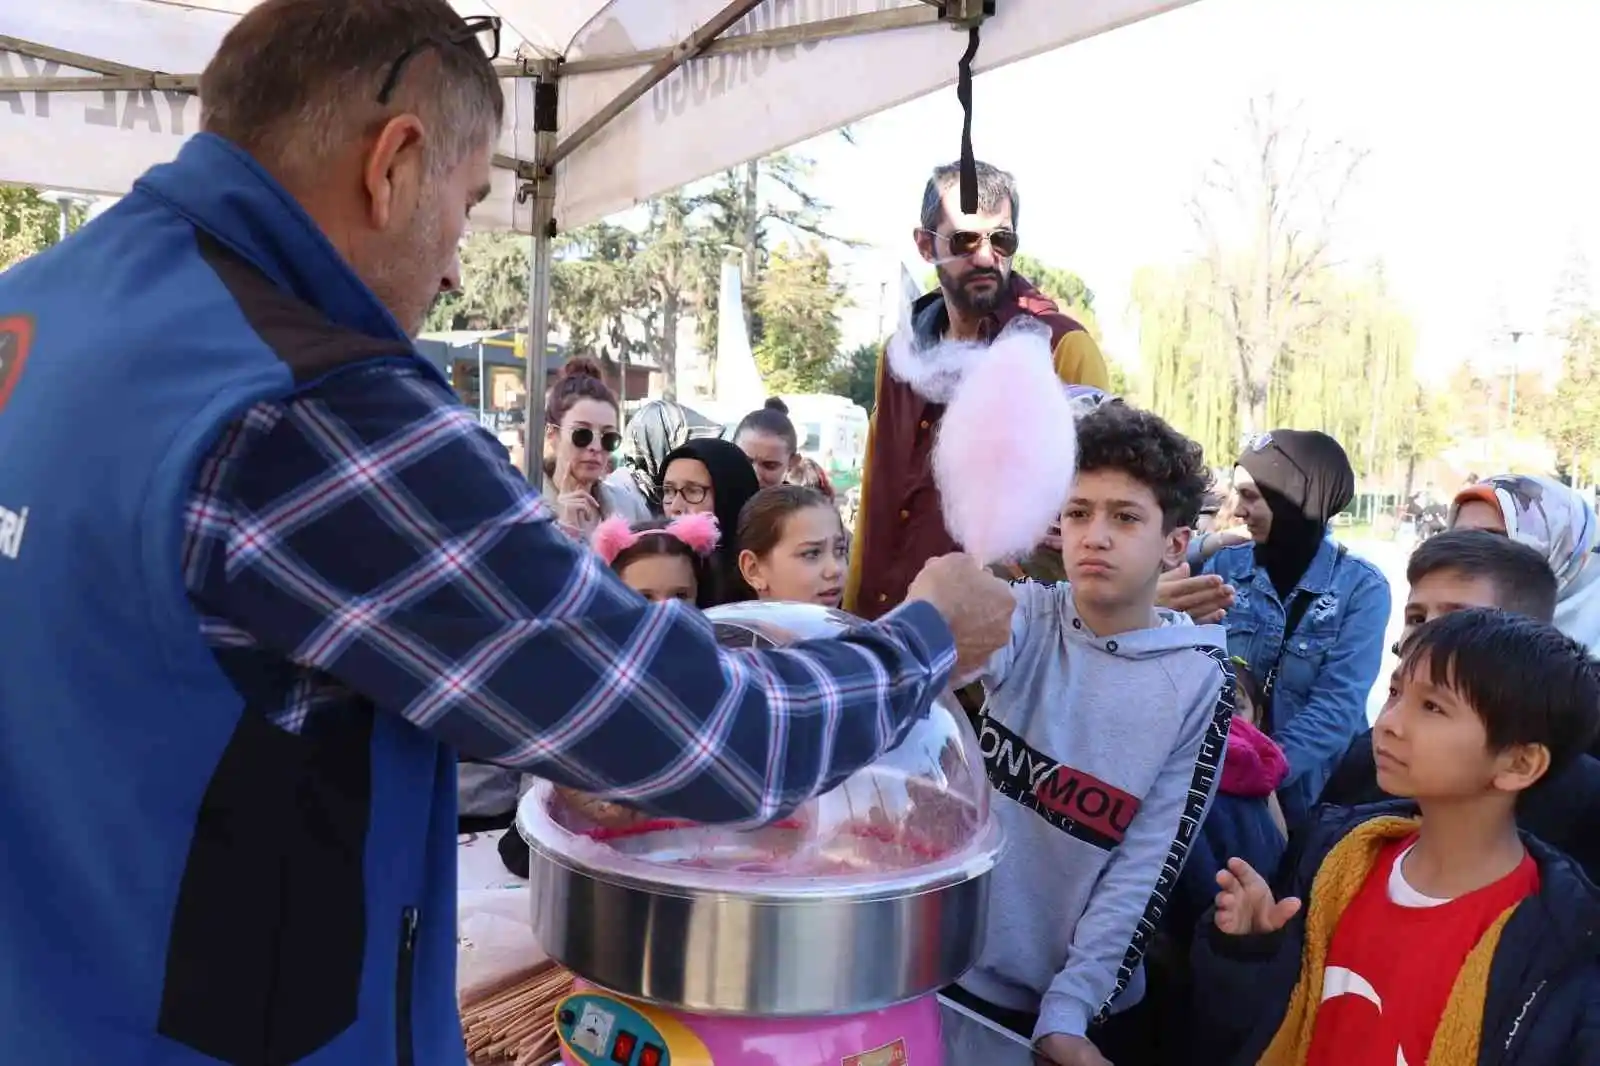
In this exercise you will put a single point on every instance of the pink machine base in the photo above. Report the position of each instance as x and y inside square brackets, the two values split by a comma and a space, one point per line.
[907, 1033]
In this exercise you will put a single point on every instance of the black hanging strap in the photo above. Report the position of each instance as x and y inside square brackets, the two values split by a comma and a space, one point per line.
[969, 164]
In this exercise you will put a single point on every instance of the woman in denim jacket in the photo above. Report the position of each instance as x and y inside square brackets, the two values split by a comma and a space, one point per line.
[1292, 577]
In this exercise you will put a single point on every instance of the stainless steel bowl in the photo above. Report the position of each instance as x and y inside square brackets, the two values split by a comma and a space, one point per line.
[717, 953]
[884, 925]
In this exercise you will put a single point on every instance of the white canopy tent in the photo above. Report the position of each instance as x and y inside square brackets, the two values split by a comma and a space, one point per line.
[610, 102]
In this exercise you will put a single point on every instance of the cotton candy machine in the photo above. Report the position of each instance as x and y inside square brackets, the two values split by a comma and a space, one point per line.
[819, 939]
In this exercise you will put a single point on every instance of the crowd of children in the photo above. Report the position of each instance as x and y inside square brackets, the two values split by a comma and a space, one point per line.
[1430, 904]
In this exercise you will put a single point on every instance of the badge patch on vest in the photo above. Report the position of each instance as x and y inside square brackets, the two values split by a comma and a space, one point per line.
[1077, 803]
[16, 337]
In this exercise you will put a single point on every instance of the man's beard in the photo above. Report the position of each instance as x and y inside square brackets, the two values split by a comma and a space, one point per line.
[964, 300]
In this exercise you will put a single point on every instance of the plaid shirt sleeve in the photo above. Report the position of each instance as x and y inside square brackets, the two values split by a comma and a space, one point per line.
[373, 533]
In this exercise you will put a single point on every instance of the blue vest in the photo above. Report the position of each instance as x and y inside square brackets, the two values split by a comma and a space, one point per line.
[183, 882]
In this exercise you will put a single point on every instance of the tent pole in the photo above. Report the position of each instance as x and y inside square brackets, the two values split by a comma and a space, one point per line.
[541, 187]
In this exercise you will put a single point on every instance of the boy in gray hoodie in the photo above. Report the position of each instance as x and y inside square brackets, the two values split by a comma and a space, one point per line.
[1103, 731]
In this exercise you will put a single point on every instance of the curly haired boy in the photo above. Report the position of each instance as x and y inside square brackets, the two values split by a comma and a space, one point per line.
[1104, 723]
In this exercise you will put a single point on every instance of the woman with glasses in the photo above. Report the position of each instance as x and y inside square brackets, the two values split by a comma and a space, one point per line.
[580, 436]
[712, 476]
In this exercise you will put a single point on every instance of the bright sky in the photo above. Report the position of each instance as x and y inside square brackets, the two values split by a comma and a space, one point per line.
[1483, 173]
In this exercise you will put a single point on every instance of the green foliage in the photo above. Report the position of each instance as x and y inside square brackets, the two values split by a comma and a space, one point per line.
[799, 304]
[494, 292]
[1572, 415]
[1348, 374]
[1122, 382]
[742, 212]
[29, 223]
[1064, 287]
[621, 291]
[856, 376]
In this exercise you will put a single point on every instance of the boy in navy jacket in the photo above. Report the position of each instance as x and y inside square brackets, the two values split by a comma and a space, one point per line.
[1445, 939]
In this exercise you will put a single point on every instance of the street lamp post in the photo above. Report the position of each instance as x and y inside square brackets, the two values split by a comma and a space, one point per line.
[1511, 397]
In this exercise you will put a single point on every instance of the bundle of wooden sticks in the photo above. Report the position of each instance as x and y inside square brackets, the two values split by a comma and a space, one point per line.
[514, 1024]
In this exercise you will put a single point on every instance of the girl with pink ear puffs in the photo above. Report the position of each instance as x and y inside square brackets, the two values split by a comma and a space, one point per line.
[661, 560]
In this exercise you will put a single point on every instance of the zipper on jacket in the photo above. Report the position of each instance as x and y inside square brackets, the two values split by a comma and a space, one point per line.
[405, 975]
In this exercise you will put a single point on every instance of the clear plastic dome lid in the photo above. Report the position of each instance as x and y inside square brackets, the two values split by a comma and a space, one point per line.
[919, 814]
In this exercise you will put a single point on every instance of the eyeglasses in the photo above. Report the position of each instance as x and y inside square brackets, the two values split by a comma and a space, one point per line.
[583, 436]
[690, 491]
[965, 242]
[481, 30]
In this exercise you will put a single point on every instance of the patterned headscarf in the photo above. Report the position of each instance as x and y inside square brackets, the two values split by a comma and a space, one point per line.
[1547, 516]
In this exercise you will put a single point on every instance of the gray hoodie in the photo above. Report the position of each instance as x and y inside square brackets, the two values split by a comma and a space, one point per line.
[1104, 756]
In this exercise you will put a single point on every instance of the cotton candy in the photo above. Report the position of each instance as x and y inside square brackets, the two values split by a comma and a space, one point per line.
[1007, 447]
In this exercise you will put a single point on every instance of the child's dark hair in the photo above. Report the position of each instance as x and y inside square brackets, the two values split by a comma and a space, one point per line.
[1529, 682]
[1523, 581]
[762, 518]
[1143, 446]
[580, 379]
[668, 545]
[771, 418]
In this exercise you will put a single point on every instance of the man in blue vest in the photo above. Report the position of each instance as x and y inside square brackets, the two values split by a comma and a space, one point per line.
[263, 577]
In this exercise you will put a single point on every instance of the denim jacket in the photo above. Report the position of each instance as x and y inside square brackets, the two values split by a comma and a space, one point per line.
[1329, 665]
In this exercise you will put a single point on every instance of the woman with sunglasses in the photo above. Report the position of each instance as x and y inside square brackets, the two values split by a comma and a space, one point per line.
[712, 476]
[580, 436]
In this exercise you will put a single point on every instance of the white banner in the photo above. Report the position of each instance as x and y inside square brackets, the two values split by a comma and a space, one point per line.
[712, 114]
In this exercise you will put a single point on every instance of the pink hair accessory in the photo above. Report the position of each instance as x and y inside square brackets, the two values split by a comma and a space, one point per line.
[699, 531]
[614, 536]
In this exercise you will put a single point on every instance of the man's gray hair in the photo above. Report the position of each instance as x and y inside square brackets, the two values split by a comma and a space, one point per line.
[296, 80]
[996, 188]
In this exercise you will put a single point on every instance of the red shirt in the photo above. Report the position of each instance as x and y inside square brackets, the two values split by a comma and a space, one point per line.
[1394, 958]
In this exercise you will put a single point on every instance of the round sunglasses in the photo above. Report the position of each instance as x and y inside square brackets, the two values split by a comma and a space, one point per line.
[583, 436]
[964, 242]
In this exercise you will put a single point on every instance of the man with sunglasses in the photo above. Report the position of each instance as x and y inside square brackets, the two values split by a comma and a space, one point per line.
[289, 577]
[900, 524]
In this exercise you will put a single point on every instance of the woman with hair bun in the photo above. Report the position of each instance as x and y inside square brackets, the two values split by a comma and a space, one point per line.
[767, 437]
[581, 417]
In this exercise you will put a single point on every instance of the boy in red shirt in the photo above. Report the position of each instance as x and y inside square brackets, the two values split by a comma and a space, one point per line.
[1434, 941]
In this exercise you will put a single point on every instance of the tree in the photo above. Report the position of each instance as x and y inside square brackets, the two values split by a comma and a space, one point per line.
[1572, 415]
[856, 376]
[29, 223]
[667, 268]
[600, 292]
[1350, 375]
[494, 286]
[799, 305]
[1122, 383]
[1266, 225]
[743, 211]
[1424, 435]
[1064, 287]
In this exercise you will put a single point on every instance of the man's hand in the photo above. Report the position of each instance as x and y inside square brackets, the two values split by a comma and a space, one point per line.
[977, 605]
[1059, 1049]
[1206, 598]
[1245, 906]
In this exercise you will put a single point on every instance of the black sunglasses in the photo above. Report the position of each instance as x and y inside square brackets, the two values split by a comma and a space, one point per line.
[481, 30]
[583, 436]
[965, 241]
